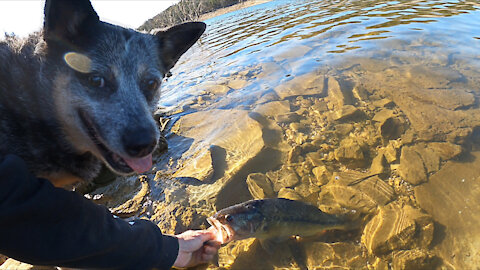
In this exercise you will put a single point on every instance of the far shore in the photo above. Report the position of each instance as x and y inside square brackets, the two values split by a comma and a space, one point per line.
[235, 7]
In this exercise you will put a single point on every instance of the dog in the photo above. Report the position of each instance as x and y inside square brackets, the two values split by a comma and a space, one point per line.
[81, 92]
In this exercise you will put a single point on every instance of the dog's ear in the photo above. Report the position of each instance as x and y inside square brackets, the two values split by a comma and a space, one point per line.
[176, 40]
[66, 19]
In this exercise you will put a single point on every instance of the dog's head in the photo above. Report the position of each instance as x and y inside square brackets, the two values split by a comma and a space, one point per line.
[107, 81]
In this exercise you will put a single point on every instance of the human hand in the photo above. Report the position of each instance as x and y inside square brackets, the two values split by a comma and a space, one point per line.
[196, 247]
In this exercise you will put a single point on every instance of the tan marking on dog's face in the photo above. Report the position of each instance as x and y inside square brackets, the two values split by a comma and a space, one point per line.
[61, 179]
[69, 120]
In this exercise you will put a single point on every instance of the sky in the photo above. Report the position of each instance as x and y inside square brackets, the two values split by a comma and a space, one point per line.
[25, 16]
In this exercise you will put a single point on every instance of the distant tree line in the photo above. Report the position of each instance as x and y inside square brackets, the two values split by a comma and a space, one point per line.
[185, 10]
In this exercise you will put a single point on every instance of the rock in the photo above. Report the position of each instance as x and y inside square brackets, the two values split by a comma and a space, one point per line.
[377, 189]
[385, 102]
[415, 259]
[452, 197]
[445, 150]
[322, 175]
[397, 227]
[335, 94]
[174, 218]
[334, 256]
[431, 160]
[315, 158]
[383, 115]
[360, 93]
[287, 118]
[412, 168]
[337, 197]
[348, 113]
[228, 138]
[273, 108]
[260, 186]
[351, 154]
[133, 206]
[216, 89]
[392, 128]
[451, 99]
[283, 178]
[343, 129]
[391, 152]
[379, 164]
[237, 83]
[289, 193]
[304, 85]
[231, 254]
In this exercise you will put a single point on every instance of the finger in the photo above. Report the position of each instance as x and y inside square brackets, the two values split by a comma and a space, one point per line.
[213, 243]
[207, 257]
[210, 250]
[206, 235]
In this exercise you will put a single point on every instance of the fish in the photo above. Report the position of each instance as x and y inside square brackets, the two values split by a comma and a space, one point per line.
[274, 219]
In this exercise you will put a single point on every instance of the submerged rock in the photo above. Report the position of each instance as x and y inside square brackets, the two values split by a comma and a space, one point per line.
[412, 168]
[304, 85]
[235, 137]
[415, 259]
[397, 227]
[260, 186]
[351, 154]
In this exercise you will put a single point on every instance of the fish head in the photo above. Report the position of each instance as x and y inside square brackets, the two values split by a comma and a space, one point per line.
[238, 222]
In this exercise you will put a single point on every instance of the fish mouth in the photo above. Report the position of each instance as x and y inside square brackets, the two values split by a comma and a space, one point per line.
[225, 233]
[116, 162]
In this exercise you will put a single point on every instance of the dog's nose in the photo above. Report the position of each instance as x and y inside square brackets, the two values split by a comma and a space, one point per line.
[139, 142]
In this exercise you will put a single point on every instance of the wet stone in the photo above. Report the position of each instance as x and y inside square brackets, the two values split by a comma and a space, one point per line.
[289, 193]
[287, 118]
[273, 108]
[343, 129]
[237, 84]
[415, 259]
[350, 153]
[283, 178]
[412, 168]
[349, 113]
[397, 227]
[322, 175]
[304, 85]
[335, 94]
[383, 103]
[379, 164]
[315, 158]
[392, 128]
[383, 115]
[445, 150]
[343, 197]
[260, 186]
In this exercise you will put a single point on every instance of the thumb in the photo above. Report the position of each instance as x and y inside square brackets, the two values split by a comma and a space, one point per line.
[207, 235]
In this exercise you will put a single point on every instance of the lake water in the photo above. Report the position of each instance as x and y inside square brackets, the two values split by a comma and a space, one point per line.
[364, 107]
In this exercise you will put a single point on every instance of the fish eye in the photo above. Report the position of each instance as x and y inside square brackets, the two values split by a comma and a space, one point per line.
[151, 85]
[96, 81]
[228, 218]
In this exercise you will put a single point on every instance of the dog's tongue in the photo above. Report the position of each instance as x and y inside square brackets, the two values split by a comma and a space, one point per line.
[140, 165]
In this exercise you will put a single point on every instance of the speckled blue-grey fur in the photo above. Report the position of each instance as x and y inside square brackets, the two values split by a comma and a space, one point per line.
[42, 97]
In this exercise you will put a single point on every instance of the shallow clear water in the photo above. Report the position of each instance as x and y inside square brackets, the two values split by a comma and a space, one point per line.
[333, 92]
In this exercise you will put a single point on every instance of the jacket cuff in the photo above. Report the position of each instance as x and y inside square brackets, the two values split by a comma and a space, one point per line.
[169, 252]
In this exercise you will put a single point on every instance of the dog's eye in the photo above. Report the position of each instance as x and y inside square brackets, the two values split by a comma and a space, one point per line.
[96, 81]
[151, 85]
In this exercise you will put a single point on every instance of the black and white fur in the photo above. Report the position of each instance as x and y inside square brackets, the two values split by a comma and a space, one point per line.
[63, 122]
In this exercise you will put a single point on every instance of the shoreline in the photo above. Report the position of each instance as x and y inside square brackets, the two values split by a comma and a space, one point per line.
[229, 9]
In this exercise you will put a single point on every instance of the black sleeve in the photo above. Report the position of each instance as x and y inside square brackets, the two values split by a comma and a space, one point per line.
[44, 225]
